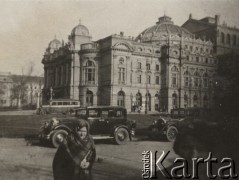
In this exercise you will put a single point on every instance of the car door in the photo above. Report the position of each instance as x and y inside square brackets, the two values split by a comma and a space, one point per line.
[117, 118]
[97, 119]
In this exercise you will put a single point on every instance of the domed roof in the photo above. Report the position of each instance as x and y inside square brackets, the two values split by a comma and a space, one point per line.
[54, 44]
[163, 28]
[80, 30]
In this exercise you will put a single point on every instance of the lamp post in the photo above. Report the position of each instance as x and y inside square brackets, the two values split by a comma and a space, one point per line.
[39, 91]
[51, 93]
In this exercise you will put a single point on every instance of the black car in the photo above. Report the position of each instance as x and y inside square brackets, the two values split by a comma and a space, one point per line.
[164, 126]
[105, 122]
[168, 125]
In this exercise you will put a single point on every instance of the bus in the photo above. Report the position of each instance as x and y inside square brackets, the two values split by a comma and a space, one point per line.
[64, 106]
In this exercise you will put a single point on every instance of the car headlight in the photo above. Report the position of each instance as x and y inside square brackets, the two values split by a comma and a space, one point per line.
[155, 122]
[46, 124]
[54, 121]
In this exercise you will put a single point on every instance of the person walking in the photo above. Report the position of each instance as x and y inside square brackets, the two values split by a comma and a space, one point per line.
[75, 156]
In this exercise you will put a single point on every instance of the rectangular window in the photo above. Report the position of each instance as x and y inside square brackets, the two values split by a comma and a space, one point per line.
[139, 79]
[196, 82]
[94, 113]
[186, 81]
[121, 74]
[147, 66]
[197, 59]
[157, 80]
[157, 67]
[205, 80]
[174, 80]
[119, 113]
[148, 79]
[139, 65]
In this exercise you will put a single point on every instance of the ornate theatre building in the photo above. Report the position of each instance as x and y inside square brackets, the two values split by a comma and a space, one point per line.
[164, 67]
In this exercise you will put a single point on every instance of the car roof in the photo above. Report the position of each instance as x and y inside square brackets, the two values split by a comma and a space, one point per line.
[101, 107]
[63, 100]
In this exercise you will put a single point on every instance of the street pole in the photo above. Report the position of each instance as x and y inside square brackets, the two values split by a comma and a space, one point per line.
[38, 98]
[51, 93]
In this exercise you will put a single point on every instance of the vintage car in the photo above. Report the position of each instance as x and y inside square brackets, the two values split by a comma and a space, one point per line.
[168, 125]
[64, 106]
[105, 122]
[164, 126]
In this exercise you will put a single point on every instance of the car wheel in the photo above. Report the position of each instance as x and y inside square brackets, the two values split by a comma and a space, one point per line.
[121, 136]
[171, 133]
[58, 137]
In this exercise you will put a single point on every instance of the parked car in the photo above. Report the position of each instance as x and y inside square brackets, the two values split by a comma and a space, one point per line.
[105, 122]
[64, 106]
[164, 126]
[168, 125]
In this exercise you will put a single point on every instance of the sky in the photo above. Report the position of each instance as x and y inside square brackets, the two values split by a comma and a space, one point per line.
[27, 26]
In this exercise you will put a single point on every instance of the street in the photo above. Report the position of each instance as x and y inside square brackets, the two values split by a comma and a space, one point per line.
[28, 160]
[22, 157]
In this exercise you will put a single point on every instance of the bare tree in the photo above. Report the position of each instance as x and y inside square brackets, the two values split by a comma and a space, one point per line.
[19, 89]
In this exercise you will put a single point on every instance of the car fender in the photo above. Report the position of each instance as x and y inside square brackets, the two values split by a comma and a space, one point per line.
[171, 125]
[63, 127]
[121, 126]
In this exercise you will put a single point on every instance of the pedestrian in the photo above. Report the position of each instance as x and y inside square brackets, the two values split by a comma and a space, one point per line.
[75, 156]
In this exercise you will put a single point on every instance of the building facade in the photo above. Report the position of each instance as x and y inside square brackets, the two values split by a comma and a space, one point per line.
[5, 89]
[164, 67]
[224, 37]
[20, 91]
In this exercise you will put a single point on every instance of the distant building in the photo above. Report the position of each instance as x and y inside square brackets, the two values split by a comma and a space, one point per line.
[164, 67]
[20, 90]
[5, 89]
[224, 38]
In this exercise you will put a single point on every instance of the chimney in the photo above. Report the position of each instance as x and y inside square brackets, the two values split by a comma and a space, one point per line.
[121, 33]
[190, 16]
[217, 18]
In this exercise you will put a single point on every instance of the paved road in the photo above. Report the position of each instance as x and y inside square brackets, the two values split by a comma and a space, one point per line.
[27, 160]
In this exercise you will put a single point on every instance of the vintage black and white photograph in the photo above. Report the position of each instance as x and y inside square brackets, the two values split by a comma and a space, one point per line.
[119, 89]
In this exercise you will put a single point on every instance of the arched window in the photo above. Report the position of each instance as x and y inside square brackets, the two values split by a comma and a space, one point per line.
[89, 98]
[196, 79]
[222, 38]
[156, 102]
[148, 101]
[121, 98]
[185, 100]
[138, 99]
[228, 39]
[205, 80]
[205, 101]
[174, 100]
[195, 100]
[174, 76]
[90, 72]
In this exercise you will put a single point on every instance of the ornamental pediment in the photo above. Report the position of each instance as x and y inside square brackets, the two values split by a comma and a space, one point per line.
[123, 46]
